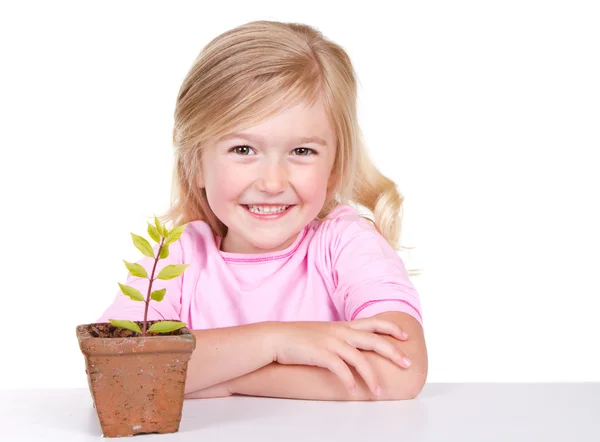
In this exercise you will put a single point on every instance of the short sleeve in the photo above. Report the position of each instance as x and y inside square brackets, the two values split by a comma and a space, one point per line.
[369, 275]
[123, 307]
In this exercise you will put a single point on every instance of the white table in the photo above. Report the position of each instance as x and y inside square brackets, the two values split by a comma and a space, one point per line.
[442, 412]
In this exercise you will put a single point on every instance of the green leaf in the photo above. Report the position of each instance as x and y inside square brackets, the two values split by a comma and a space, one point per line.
[134, 294]
[129, 325]
[142, 245]
[158, 295]
[161, 229]
[166, 326]
[136, 269]
[153, 233]
[172, 271]
[164, 252]
[174, 234]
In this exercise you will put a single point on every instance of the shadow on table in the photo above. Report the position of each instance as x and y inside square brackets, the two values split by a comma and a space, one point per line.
[246, 415]
[206, 413]
[433, 390]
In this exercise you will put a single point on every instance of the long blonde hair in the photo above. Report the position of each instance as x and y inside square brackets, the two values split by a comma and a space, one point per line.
[253, 72]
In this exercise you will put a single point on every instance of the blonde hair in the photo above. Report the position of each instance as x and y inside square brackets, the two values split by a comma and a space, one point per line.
[253, 72]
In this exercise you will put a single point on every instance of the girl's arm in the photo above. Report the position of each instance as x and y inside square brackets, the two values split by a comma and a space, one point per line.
[316, 383]
[222, 354]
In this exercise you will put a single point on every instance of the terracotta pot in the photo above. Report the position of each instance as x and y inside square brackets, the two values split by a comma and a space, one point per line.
[137, 383]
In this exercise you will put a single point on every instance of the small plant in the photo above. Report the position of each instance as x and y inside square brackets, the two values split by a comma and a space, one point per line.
[159, 233]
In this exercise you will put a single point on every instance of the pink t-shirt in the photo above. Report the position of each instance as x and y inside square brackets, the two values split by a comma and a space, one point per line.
[338, 269]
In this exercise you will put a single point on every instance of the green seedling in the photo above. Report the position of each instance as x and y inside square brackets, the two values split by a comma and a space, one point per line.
[159, 233]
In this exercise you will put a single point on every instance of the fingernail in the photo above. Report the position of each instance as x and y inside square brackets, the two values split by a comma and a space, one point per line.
[404, 335]
[406, 361]
[378, 391]
[353, 391]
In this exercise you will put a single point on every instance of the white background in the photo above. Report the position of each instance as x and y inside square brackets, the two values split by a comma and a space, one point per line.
[486, 114]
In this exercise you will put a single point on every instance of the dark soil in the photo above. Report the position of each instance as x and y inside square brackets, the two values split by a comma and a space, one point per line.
[107, 330]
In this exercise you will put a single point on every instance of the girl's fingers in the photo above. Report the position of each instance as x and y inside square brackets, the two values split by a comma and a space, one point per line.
[377, 325]
[355, 358]
[337, 366]
[376, 343]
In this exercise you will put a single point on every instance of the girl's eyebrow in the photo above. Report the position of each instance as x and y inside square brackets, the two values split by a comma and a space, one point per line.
[258, 138]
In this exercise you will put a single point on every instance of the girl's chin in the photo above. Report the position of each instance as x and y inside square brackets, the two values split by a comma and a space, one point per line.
[246, 242]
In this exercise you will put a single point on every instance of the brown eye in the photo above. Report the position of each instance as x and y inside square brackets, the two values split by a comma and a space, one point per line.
[304, 151]
[241, 150]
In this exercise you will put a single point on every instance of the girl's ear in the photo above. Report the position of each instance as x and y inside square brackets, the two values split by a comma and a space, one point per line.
[331, 187]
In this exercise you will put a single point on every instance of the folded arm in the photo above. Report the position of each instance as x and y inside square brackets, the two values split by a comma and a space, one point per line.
[316, 383]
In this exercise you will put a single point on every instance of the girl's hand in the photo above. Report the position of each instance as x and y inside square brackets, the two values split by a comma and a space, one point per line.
[333, 345]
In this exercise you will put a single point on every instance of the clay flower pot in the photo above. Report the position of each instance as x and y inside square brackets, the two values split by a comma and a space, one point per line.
[137, 383]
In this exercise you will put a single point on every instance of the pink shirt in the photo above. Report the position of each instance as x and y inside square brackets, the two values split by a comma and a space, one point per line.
[336, 270]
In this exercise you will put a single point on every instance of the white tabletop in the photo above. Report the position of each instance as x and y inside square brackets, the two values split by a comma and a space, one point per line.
[442, 412]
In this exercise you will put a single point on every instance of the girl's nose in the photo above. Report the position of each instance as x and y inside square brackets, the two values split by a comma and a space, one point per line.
[273, 178]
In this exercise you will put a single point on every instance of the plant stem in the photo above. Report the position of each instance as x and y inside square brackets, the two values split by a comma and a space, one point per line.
[162, 241]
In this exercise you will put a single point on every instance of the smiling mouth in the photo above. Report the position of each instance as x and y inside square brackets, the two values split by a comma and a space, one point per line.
[267, 209]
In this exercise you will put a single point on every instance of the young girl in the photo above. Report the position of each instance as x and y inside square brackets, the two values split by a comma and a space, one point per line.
[290, 292]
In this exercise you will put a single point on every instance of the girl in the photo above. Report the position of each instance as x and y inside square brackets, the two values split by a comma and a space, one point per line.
[289, 291]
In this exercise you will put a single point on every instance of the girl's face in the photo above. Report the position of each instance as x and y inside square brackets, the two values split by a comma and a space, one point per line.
[269, 181]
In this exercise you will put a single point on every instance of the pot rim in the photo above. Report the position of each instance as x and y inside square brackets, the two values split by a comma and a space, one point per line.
[114, 346]
[82, 330]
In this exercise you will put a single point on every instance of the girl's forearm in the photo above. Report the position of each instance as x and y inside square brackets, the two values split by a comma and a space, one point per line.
[223, 354]
[316, 383]
[285, 381]
[296, 382]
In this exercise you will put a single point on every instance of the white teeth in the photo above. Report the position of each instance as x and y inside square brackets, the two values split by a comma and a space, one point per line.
[266, 209]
